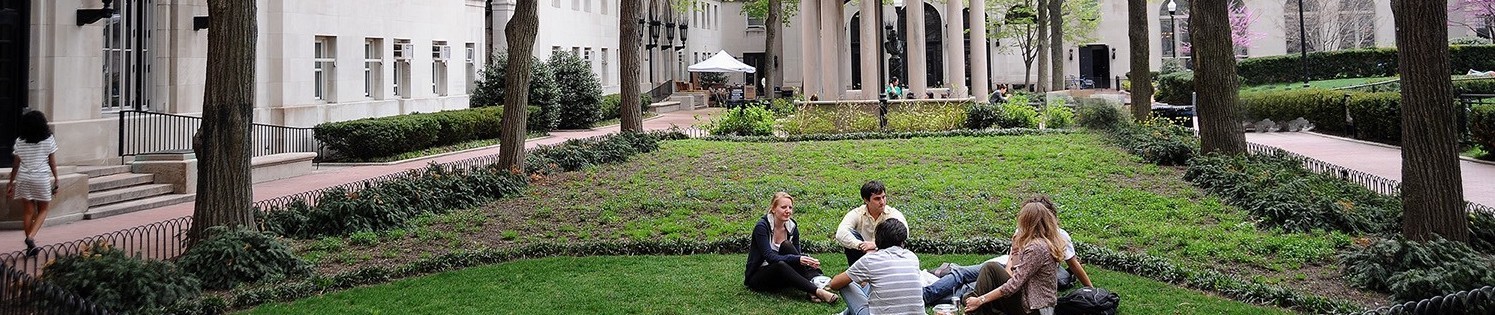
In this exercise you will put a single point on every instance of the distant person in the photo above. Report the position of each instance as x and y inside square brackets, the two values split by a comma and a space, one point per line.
[1030, 287]
[858, 229]
[886, 281]
[33, 179]
[894, 89]
[1000, 96]
[774, 257]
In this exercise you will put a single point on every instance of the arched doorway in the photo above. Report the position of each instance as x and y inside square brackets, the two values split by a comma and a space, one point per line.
[15, 30]
[933, 47]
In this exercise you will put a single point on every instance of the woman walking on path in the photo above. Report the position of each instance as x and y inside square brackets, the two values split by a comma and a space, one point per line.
[33, 178]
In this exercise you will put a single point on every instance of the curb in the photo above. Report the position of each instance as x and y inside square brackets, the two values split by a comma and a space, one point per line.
[1388, 146]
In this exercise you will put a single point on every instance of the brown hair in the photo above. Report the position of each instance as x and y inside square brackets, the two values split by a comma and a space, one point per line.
[1037, 224]
[1045, 201]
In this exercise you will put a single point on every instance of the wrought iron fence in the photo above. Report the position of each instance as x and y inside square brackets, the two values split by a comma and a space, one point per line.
[24, 294]
[160, 240]
[146, 132]
[1375, 183]
[1476, 301]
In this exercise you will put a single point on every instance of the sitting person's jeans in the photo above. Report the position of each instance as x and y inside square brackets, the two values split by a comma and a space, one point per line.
[957, 283]
[855, 296]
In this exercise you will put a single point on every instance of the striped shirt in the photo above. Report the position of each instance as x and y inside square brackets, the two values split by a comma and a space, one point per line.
[892, 275]
[33, 158]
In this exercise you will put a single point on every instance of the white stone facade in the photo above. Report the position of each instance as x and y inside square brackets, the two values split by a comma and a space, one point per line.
[66, 83]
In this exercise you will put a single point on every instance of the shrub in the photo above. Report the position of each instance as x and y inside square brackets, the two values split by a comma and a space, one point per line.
[1016, 113]
[982, 116]
[1475, 85]
[118, 282]
[1101, 114]
[580, 100]
[1482, 126]
[377, 137]
[1176, 88]
[1056, 115]
[832, 118]
[1280, 192]
[1324, 108]
[1377, 116]
[1353, 63]
[609, 108]
[1158, 141]
[379, 206]
[543, 92]
[232, 256]
[743, 121]
[928, 115]
[1411, 270]
[577, 154]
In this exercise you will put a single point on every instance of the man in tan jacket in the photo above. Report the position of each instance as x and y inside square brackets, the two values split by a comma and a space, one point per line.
[858, 229]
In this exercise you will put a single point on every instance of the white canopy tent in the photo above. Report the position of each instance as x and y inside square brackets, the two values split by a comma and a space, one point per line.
[721, 62]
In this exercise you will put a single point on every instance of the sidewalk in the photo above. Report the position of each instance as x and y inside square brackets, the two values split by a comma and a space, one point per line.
[1383, 161]
[323, 177]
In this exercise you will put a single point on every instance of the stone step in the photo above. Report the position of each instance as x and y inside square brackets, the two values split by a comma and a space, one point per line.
[108, 182]
[137, 205]
[100, 198]
[99, 171]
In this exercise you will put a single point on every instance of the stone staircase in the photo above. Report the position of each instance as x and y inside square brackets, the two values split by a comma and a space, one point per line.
[113, 190]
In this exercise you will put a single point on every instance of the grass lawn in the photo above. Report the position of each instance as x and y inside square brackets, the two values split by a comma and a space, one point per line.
[703, 284]
[432, 151]
[1322, 84]
[949, 188]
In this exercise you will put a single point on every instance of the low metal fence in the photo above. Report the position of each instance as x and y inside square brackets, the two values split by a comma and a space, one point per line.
[1476, 301]
[160, 240]
[21, 293]
[1375, 183]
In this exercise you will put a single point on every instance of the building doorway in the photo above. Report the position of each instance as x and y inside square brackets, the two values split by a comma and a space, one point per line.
[1095, 66]
[15, 30]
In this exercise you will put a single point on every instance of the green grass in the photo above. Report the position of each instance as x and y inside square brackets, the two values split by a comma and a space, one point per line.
[947, 187]
[1323, 84]
[432, 151]
[1478, 153]
[703, 284]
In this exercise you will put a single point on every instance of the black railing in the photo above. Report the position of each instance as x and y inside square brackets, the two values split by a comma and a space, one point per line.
[143, 132]
[1382, 185]
[662, 92]
[1476, 301]
[24, 294]
[160, 240]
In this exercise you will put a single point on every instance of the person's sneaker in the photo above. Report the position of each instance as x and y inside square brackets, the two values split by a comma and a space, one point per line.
[944, 269]
[30, 243]
[33, 251]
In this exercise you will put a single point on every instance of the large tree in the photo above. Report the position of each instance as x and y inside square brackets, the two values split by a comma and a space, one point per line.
[224, 187]
[1043, 46]
[630, 115]
[520, 33]
[1141, 75]
[1219, 130]
[1056, 44]
[1432, 189]
[771, 71]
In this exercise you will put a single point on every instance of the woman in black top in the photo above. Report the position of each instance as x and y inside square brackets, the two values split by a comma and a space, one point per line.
[774, 259]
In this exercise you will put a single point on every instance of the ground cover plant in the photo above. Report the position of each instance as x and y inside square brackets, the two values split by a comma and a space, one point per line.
[951, 188]
[696, 284]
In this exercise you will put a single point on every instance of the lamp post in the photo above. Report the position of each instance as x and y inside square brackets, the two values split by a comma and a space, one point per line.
[1303, 42]
[1172, 29]
[654, 24]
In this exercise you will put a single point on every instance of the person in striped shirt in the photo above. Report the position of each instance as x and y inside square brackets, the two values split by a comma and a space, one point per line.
[33, 178]
[885, 281]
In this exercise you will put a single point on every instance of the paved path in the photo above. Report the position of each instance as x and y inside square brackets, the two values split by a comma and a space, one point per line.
[324, 176]
[1380, 160]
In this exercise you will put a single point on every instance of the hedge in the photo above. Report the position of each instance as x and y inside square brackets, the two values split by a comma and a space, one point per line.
[385, 136]
[1176, 88]
[1482, 126]
[1354, 63]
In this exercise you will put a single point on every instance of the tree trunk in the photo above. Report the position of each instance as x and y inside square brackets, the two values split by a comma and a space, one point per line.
[1432, 191]
[629, 114]
[1043, 46]
[520, 33]
[1056, 43]
[1141, 75]
[1219, 130]
[771, 28]
[224, 187]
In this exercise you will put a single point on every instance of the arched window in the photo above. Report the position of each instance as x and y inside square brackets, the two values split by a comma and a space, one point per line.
[1330, 25]
[1174, 15]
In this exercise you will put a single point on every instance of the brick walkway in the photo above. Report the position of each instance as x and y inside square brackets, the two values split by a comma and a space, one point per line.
[1380, 160]
[324, 176]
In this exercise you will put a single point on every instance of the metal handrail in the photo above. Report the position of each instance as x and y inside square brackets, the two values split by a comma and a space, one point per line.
[142, 132]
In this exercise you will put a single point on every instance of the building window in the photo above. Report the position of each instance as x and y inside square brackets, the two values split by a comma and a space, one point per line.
[1330, 25]
[556, 3]
[440, 54]
[586, 5]
[373, 68]
[1174, 27]
[555, 50]
[472, 67]
[604, 7]
[324, 56]
[127, 74]
[404, 51]
[754, 23]
[605, 80]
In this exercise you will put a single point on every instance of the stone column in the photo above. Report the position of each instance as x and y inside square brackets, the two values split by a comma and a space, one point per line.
[871, 24]
[918, 74]
[955, 66]
[980, 84]
[830, 47]
[809, 14]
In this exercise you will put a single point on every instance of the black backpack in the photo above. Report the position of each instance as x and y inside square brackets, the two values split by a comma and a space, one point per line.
[1088, 301]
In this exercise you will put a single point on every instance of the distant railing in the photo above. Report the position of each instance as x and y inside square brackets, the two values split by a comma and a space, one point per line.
[21, 293]
[662, 92]
[1381, 185]
[143, 132]
[160, 241]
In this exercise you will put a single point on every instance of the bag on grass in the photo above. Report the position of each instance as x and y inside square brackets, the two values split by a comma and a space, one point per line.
[1088, 301]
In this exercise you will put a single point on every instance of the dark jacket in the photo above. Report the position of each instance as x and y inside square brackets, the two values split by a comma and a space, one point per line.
[760, 250]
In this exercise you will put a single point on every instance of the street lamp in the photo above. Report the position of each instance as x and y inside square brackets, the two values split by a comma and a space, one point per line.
[684, 29]
[1303, 42]
[654, 32]
[1172, 29]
